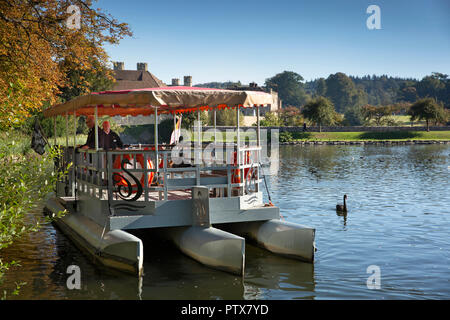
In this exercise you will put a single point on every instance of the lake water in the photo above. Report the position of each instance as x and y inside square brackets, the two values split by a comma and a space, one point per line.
[398, 221]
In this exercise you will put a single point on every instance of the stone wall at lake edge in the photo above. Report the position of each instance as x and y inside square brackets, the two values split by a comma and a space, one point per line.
[344, 129]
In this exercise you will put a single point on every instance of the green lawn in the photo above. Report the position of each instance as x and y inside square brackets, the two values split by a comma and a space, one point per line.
[362, 136]
[401, 121]
[80, 139]
[320, 136]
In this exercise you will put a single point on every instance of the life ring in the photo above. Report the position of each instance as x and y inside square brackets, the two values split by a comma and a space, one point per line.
[122, 178]
[236, 174]
[161, 162]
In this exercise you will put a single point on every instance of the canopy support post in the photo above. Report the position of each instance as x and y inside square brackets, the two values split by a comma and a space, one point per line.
[215, 126]
[54, 130]
[238, 148]
[174, 126]
[258, 143]
[156, 139]
[258, 128]
[199, 121]
[74, 168]
[198, 149]
[67, 130]
[96, 128]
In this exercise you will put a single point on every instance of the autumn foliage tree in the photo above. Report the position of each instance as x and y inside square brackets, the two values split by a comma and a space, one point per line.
[40, 47]
[291, 116]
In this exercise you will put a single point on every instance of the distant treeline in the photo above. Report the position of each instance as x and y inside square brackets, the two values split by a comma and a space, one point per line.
[349, 91]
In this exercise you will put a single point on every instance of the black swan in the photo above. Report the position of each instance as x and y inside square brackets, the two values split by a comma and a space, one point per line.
[340, 207]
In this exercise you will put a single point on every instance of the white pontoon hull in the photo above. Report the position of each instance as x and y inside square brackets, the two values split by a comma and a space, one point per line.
[280, 237]
[115, 249]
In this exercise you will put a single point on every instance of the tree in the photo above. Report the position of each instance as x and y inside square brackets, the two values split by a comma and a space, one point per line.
[189, 119]
[378, 114]
[270, 120]
[354, 116]
[408, 94]
[226, 117]
[340, 90]
[429, 110]
[291, 116]
[219, 85]
[320, 111]
[289, 86]
[321, 88]
[432, 86]
[38, 48]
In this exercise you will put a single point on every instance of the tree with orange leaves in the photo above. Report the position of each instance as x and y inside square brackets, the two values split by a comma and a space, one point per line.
[39, 47]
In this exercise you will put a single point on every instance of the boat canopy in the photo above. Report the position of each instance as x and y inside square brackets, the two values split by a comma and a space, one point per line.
[164, 100]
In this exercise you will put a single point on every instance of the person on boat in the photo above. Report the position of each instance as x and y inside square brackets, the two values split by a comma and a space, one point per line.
[90, 141]
[110, 139]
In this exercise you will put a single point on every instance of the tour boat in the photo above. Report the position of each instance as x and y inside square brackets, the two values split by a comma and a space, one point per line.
[207, 208]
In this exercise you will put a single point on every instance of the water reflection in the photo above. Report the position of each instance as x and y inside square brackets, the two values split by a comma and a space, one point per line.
[344, 218]
[398, 219]
[270, 277]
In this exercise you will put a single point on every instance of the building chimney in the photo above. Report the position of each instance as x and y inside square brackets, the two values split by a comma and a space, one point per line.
[187, 81]
[118, 65]
[175, 82]
[142, 66]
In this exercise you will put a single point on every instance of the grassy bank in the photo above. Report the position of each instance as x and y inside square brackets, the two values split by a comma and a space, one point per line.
[295, 136]
[365, 136]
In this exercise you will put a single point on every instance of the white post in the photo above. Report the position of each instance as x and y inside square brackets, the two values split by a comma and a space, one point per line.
[215, 129]
[258, 130]
[156, 139]
[96, 128]
[74, 152]
[74, 130]
[54, 130]
[174, 125]
[198, 157]
[258, 143]
[67, 130]
[199, 127]
[238, 148]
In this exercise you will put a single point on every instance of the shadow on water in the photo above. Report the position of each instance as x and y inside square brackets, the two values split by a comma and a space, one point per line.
[389, 135]
[171, 275]
[269, 276]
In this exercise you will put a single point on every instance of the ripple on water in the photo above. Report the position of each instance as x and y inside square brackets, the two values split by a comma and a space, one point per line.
[398, 219]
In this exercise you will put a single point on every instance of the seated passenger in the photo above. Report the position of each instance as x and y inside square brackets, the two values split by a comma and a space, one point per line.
[109, 139]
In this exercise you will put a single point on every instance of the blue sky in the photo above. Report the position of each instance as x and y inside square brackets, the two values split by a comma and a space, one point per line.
[253, 40]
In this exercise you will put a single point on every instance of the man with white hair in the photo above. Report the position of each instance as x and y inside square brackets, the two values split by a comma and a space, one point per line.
[110, 139]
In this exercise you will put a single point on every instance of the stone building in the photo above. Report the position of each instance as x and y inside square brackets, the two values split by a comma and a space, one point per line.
[135, 79]
[142, 78]
[250, 113]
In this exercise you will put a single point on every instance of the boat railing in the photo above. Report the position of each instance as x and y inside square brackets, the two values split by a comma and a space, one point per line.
[143, 174]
